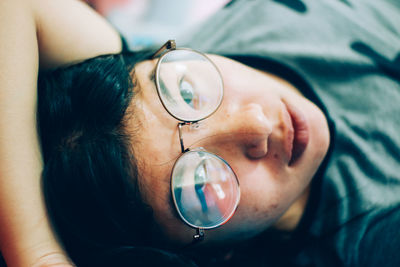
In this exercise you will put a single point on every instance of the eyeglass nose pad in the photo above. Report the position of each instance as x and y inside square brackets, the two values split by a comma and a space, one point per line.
[198, 149]
[195, 125]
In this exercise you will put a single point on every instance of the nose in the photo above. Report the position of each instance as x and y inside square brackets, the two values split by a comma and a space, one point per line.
[249, 128]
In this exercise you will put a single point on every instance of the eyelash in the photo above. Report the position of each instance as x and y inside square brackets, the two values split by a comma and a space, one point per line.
[166, 93]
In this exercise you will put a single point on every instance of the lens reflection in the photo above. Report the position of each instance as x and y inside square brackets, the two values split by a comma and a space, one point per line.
[189, 85]
[205, 189]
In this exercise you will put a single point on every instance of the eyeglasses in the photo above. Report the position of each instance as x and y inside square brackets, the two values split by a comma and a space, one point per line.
[205, 189]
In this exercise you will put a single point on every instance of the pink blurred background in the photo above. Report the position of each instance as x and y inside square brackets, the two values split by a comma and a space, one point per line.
[151, 22]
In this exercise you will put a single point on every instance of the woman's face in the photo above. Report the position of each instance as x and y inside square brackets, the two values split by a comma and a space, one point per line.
[273, 138]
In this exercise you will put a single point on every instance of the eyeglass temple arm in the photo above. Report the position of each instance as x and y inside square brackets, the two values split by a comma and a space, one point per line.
[169, 45]
[199, 236]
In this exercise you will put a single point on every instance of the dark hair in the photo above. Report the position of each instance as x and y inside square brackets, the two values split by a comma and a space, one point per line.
[90, 176]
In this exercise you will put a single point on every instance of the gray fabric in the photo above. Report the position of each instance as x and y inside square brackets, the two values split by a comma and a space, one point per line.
[349, 52]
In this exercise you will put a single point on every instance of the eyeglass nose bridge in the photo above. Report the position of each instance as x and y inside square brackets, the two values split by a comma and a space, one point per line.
[180, 125]
[183, 150]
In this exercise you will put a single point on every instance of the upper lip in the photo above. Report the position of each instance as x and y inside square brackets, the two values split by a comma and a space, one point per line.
[300, 134]
[288, 133]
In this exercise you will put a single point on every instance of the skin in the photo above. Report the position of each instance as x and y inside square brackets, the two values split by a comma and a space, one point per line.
[36, 34]
[250, 131]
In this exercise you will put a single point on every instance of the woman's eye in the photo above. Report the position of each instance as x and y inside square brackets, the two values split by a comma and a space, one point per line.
[187, 92]
[200, 179]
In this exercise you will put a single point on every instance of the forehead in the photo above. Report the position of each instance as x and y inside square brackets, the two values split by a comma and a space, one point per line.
[155, 124]
[148, 121]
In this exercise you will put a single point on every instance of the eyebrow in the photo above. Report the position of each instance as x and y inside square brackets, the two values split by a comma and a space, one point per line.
[166, 93]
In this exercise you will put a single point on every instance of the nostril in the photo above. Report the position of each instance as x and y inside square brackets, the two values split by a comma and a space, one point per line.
[257, 127]
[257, 149]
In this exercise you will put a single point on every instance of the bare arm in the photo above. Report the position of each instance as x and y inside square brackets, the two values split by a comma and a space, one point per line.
[35, 33]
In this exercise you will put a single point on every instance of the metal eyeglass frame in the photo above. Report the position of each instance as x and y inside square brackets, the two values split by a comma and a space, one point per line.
[170, 45]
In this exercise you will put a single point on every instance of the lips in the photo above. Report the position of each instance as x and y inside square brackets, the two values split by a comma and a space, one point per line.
[297, 140]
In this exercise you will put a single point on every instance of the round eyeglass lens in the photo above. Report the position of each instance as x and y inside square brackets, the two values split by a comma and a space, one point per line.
[189, 84]
[205, 189]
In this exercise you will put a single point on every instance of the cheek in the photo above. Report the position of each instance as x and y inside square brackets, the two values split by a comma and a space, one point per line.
[267, 191]
[265, 195]
[259, 208]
